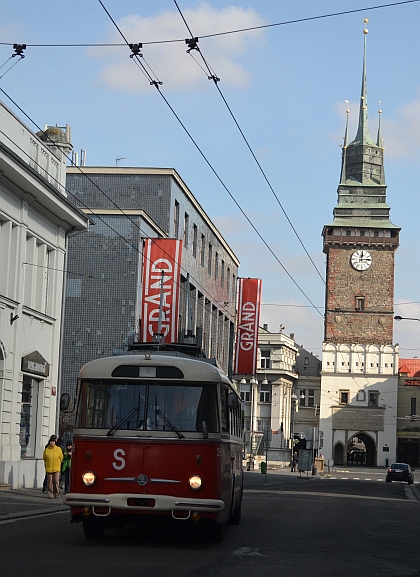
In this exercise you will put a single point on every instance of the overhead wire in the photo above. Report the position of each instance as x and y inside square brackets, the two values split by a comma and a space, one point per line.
[157, 86]
[91, 211]
[193, 45]
[216, 34]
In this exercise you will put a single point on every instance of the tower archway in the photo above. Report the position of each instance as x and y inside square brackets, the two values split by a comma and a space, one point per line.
[361, 450]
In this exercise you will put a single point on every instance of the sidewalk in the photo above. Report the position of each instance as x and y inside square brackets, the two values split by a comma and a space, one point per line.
[17, 503]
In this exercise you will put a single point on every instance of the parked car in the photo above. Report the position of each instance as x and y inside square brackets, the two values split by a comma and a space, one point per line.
[400, 472]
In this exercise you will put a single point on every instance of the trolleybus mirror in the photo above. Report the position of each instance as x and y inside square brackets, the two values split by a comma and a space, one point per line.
[233, 401]
[64, 401]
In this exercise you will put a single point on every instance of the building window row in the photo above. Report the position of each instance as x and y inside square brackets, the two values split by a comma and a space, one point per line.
[215, 266]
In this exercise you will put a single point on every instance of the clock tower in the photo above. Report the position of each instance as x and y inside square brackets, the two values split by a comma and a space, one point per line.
[360, 362]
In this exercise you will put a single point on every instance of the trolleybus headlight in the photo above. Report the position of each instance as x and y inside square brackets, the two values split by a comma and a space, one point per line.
[195, 482]
[89, 478]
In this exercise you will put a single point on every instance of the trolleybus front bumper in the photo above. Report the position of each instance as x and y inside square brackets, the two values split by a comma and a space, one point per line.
[135, 502]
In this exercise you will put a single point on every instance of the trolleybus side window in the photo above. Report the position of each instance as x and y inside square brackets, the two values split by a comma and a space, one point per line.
[224, 409]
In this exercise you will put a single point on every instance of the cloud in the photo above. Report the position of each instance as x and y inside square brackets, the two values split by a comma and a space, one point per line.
[401, 133]
[176, 69]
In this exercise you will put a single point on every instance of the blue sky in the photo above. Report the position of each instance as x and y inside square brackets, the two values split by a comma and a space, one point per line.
[286, 86]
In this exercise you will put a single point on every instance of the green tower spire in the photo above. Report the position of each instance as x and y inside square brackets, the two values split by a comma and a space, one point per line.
[362, 136]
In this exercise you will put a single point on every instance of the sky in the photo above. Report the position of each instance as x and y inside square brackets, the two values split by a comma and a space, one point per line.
[285, 85]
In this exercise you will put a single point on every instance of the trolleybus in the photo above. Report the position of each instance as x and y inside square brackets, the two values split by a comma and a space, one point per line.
[157, 432]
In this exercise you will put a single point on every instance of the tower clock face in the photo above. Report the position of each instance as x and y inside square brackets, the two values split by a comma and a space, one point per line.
[361, 259]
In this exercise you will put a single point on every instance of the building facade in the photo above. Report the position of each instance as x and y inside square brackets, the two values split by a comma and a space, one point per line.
[267, 396]
[408, 417]
[308, 392]
[359, 360]
[36, 219]
[103, 298]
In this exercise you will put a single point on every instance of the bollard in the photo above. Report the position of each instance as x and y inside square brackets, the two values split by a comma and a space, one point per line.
[314, 471]
[263, 467]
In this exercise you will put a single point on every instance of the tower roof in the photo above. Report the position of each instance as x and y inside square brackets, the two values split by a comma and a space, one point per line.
[362, 188]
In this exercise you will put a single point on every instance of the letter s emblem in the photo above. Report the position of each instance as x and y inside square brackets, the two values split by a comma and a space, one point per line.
[119, 458]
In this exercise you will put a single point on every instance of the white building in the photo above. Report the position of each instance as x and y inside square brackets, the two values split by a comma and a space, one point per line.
[267, 396]
[36, 219]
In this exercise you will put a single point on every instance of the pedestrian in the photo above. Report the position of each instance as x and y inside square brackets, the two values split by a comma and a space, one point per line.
[294, 463]
[53, 457]
[65, 467]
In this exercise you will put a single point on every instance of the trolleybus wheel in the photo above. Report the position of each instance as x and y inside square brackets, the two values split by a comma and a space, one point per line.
[235, 518]
[93, 530]
[216, 531]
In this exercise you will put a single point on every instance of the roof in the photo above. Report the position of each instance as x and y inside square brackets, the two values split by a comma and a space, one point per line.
[409, 366]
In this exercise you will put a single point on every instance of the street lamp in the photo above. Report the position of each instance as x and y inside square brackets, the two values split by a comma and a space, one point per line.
[398, 318]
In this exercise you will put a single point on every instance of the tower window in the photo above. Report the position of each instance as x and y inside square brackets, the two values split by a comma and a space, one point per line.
[373, 398]
[344, 397]
[375, 233]
[359, 304]
[348, 232]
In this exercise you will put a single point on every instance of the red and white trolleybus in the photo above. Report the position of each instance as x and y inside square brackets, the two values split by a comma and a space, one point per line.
[157, 433]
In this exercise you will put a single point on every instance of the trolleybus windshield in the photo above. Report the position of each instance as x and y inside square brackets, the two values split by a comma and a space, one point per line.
[130, 406]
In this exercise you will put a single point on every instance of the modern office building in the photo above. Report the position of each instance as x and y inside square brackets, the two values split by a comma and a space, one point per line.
[36, 220]
[104, 286]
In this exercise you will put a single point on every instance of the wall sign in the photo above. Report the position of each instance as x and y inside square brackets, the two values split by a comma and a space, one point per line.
[35, 364]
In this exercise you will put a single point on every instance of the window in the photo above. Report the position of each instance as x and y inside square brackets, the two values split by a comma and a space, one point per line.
[186, 227]
[246, 396]
[203, 249]
[362, 233]
[228, 282]
[359, 303]
[263, 424]
[264, 393]
[210, 258]
[265, 359]
[176, 219]
[28, 417]
[311, 397]
[195, 240]
[216, 266]
[306, 360]
[375, 233]
[222, 276]
[373, 398]
[348, 232]
[344, 397]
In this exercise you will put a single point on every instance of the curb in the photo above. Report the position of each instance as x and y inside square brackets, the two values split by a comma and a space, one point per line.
[33, 513]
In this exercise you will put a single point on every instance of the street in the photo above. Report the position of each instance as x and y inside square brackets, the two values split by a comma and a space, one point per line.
[290, 526]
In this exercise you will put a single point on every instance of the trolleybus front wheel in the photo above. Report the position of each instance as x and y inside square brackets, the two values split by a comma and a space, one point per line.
[93, 529]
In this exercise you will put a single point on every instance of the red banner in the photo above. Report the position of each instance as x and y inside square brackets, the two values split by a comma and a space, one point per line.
[161, 255]
[249, 299]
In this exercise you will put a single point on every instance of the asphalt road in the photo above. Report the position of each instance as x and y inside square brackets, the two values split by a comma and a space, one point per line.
[290, 527]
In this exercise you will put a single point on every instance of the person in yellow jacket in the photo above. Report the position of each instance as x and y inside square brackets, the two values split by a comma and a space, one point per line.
[53, 457]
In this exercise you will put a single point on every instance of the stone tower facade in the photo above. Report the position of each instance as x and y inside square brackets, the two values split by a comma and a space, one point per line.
[360, 363]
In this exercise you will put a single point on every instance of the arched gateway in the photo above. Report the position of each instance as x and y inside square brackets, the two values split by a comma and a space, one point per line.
[361, 450]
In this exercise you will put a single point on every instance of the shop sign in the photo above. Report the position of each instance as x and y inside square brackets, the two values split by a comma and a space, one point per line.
[36, 364]
[408, 434]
